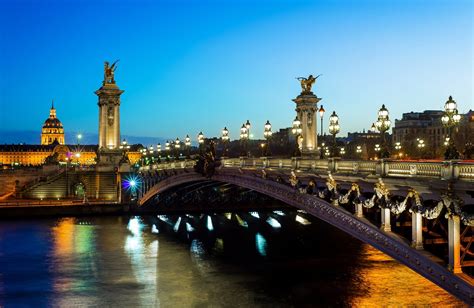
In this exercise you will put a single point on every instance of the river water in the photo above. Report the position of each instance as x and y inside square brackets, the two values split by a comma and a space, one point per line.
[244, 259]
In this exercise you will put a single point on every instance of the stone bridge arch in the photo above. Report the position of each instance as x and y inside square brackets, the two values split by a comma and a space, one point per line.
[390, 243]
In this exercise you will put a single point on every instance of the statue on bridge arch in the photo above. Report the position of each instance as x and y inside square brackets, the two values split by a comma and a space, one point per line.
[307, 83]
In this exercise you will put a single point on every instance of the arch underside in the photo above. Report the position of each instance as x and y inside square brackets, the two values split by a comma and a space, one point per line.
[360, 228]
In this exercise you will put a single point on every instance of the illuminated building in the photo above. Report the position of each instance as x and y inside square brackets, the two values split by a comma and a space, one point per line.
[53, 130]
[54, 150]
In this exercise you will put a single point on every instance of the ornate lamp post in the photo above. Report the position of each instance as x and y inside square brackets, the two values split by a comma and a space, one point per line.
[200, 138]
[244, 135]
[248, 126]
[167, 149]
[450, 119]
[267, 133]
[334, 129]
[342, 151]
[297, 130]
[359, 150]
[373, 128]
[177, 146]
[124, 145]
[377, 150]
[225, 139]
[398, 147]
[383, 124]
[187, 144]
[321, 114]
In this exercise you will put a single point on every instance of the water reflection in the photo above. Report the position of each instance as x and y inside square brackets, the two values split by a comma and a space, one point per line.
[238, 259]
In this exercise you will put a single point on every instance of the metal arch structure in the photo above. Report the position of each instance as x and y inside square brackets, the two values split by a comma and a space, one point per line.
[390, 243]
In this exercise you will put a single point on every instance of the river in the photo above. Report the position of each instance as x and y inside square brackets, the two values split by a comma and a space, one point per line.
[230, 259]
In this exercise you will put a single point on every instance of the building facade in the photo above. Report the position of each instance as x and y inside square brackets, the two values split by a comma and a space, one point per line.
[427, 126]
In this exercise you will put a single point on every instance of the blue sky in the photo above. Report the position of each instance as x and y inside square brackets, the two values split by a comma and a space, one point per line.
[190, 66]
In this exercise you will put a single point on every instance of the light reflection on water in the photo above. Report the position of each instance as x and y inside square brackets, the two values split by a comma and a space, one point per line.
[241, 261]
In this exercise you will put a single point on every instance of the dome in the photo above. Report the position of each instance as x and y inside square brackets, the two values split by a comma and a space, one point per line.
[52, 122]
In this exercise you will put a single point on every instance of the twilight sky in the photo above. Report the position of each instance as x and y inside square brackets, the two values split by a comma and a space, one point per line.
[188, 66]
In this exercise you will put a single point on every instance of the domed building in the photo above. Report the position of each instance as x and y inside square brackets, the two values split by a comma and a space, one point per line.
[53, 131]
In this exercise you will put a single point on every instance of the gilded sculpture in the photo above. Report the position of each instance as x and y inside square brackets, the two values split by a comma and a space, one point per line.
[307, 83]
[109, 71]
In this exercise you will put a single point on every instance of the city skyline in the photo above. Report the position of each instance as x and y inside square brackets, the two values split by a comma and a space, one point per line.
[212, 67]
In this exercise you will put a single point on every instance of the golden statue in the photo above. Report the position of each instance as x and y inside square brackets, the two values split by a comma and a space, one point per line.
[307, 83]
[109, 71]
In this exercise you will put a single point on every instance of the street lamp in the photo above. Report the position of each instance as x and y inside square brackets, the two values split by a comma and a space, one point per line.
[450, 119]
[421, 143]
[377, 149]
[77, 156]
[267, 133]
[334, 129]
[79, 137]
[297, 130]
[247, 125]
[225, 139]
[187, 143]
[398, 147]
[167, 149]
[200, 138]
[373, 128]
[124, 145]
[177, 146]
[382, 125]
[244, 135]
[321, 114]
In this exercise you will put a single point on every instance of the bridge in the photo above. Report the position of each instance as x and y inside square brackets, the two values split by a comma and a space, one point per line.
[419, 213]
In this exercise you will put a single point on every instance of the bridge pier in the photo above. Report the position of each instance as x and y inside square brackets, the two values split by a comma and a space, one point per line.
[416, 231]
[385, 220]
[454, 243]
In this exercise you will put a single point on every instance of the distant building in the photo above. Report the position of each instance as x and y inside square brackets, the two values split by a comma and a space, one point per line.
[428, 126]
[363, 137]
[53, 131]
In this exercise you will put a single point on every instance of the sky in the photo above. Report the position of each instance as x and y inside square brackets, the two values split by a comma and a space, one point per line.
[190, 66]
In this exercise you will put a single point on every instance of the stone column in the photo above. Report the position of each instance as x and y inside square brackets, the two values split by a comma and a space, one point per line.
[385, 220]
[359, 210]
[416, 231]
[109, 97]
[454, 243]
[306, 108]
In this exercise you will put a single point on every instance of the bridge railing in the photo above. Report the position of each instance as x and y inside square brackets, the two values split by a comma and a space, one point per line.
[445, 170]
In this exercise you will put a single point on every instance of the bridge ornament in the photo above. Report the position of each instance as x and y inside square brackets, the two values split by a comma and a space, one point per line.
[330, 193]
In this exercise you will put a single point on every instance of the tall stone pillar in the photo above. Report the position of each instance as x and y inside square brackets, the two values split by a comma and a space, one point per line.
[109, 121]
[416, 231]
[385, 215]
[306, 110]
[454, 243]
[109, 116]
